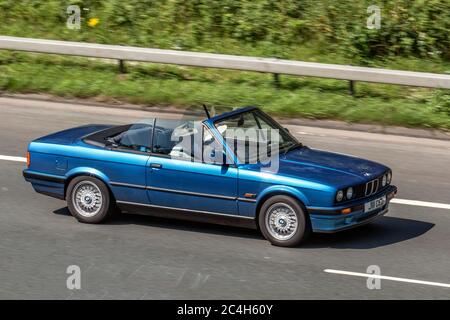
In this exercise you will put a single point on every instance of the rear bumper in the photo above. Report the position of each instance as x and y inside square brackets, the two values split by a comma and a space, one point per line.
[50, 185]
[330, 220]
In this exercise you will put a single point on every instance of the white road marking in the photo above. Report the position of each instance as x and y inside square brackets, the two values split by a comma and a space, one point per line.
[399, 201]
[374, 276]
[422, 203]
[16, 159]
[310, 134]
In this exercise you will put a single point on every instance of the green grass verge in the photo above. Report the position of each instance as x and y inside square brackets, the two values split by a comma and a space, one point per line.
[154, 84]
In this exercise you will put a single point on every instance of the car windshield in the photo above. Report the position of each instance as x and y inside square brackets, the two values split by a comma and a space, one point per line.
[253, 133]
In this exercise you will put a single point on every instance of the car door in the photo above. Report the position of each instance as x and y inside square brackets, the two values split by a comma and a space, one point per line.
[184, 179]
[125, 162]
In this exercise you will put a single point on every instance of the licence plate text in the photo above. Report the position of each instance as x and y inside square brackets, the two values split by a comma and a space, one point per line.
[375, 204]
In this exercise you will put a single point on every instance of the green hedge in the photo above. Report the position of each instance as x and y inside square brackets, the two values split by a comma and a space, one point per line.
[418, 28]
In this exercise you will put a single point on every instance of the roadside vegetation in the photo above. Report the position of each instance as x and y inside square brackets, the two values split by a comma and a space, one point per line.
[415, 35]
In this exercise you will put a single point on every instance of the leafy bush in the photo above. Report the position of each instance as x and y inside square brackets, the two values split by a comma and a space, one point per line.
[408, 27]
[414, 35]
[440, 101]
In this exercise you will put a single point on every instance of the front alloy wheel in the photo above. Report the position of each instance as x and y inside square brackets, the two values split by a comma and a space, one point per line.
[283, 221]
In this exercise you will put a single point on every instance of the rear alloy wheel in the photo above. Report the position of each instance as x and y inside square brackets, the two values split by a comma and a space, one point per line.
[89, 200]
[283, 221]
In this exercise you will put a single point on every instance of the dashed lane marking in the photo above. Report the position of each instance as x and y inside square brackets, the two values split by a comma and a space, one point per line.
[375, 276]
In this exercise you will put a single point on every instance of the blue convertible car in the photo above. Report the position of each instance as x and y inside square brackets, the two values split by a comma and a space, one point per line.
[196, 170]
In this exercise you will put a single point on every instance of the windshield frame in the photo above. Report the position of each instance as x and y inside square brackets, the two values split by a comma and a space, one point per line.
[272, 122]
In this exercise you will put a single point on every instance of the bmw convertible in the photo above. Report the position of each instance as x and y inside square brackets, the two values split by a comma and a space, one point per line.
[195, 169]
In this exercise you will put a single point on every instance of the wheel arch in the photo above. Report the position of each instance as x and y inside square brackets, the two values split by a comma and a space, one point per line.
[88, 172]
[284, 191]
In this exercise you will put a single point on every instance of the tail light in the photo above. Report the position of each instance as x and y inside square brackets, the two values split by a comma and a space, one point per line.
[28, 159]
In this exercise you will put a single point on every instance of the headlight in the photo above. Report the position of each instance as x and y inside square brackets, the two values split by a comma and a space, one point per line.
[349, 193]
[389, 177]
[383, 181]
[339, 195]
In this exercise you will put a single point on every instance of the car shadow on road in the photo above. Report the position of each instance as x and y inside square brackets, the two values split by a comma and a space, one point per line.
[62, 211]
[382, 232]
[176, 224]
[385, 231]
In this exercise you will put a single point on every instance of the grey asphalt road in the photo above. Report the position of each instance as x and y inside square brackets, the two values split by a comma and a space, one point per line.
[139, 257]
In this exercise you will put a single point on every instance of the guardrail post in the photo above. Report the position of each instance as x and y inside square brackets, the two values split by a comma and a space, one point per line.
[276, 76]
[276, 80]
[122, 68]
[351, 87]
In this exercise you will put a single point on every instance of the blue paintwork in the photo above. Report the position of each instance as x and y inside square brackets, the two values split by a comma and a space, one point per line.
[196, 177]
[311, 176]
[69, 136]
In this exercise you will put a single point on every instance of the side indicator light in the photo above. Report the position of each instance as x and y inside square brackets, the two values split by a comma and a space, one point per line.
[346, 211]
[28, 159]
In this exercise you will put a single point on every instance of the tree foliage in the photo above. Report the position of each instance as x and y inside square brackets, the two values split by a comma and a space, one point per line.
[418, 28]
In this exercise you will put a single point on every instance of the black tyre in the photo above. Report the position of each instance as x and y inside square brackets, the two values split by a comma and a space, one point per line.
[89, 200]
[283, 221]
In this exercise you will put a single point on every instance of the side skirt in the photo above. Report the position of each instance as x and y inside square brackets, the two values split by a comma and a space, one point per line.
[190, 215]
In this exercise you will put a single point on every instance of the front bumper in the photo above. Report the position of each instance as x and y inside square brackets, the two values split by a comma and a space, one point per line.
[330, 219]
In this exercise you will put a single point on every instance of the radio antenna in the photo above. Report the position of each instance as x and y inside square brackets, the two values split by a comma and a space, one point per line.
[206, 111]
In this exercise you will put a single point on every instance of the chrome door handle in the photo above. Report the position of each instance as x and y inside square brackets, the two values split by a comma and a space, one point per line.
[156, 165]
